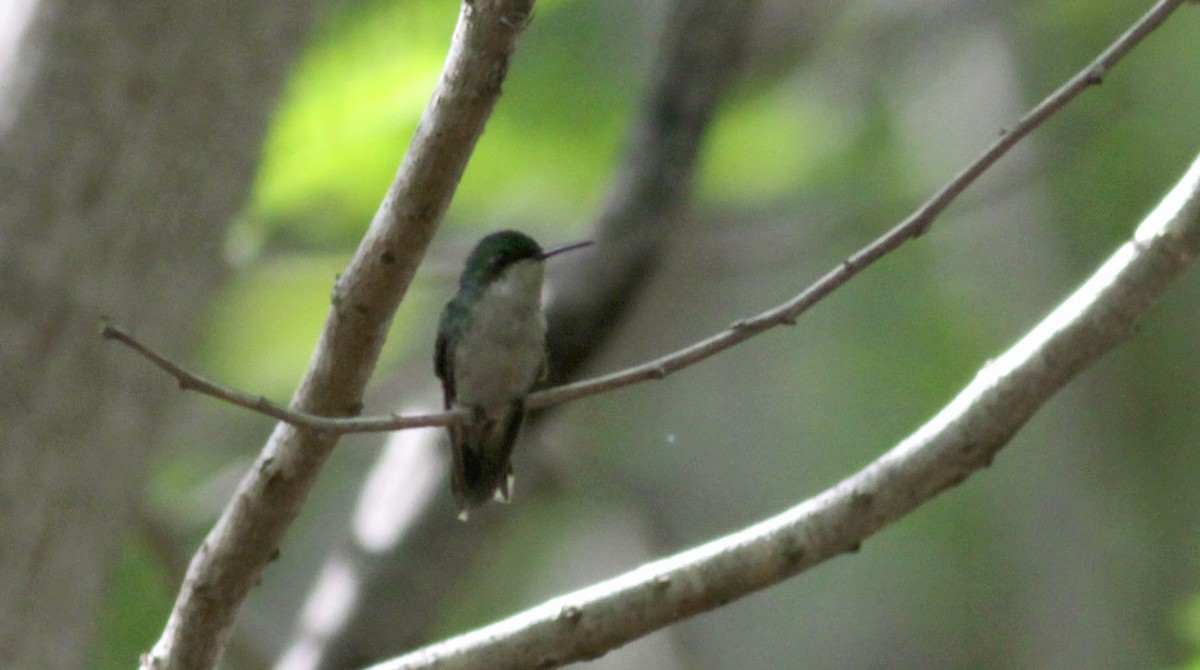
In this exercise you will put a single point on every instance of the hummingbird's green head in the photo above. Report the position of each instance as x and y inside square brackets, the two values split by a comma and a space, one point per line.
[501, 250]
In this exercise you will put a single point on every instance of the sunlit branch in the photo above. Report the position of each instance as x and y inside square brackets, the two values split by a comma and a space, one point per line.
[962, 439]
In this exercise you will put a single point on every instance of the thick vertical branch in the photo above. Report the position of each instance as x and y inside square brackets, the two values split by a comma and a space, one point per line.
[365, 297]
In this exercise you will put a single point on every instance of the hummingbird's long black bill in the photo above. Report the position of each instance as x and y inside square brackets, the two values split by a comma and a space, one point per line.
[565, 247]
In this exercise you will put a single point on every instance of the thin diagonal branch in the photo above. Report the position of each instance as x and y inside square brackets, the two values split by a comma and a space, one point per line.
[365, 297]
[190, 381]
[960, 440]
[910, 228]
[785, 314]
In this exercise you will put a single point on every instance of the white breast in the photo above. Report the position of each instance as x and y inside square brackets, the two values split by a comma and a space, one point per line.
[501, 354]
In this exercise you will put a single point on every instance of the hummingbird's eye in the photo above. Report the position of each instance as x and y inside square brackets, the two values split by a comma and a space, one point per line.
[494, 265]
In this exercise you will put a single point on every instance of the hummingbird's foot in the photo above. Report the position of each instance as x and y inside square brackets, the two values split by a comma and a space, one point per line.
[504, 489]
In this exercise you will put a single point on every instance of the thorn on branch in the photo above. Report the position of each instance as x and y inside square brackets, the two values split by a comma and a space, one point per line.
[571, 614]
[517, 21]
[862, 500]
[792, 553]
[921, 226]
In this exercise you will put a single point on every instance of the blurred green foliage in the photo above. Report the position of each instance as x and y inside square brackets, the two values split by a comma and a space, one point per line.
[282, 299]
[805, 145]
[356, 96]
[352, 102]
[140, 600]
[1188, 625]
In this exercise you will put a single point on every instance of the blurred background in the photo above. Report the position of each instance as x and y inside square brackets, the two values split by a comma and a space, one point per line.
[1079, 547]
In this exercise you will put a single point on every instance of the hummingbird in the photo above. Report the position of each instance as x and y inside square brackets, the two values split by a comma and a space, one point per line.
[490, 353]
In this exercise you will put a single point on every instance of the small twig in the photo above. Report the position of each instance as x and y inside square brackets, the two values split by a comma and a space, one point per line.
[743, 329]
[190, 381]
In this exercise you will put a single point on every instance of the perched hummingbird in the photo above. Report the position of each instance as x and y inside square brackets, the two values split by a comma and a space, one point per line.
[491, 351]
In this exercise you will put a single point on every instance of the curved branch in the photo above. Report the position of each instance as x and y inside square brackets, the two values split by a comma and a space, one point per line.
[238, 548]
[785, 314]
[960, 440]
[190, 381]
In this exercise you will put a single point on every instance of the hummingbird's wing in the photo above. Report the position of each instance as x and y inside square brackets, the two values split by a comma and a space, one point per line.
[441, 367]
[443, 359]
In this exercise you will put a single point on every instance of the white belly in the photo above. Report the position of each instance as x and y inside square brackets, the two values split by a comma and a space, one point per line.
[501, 355]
